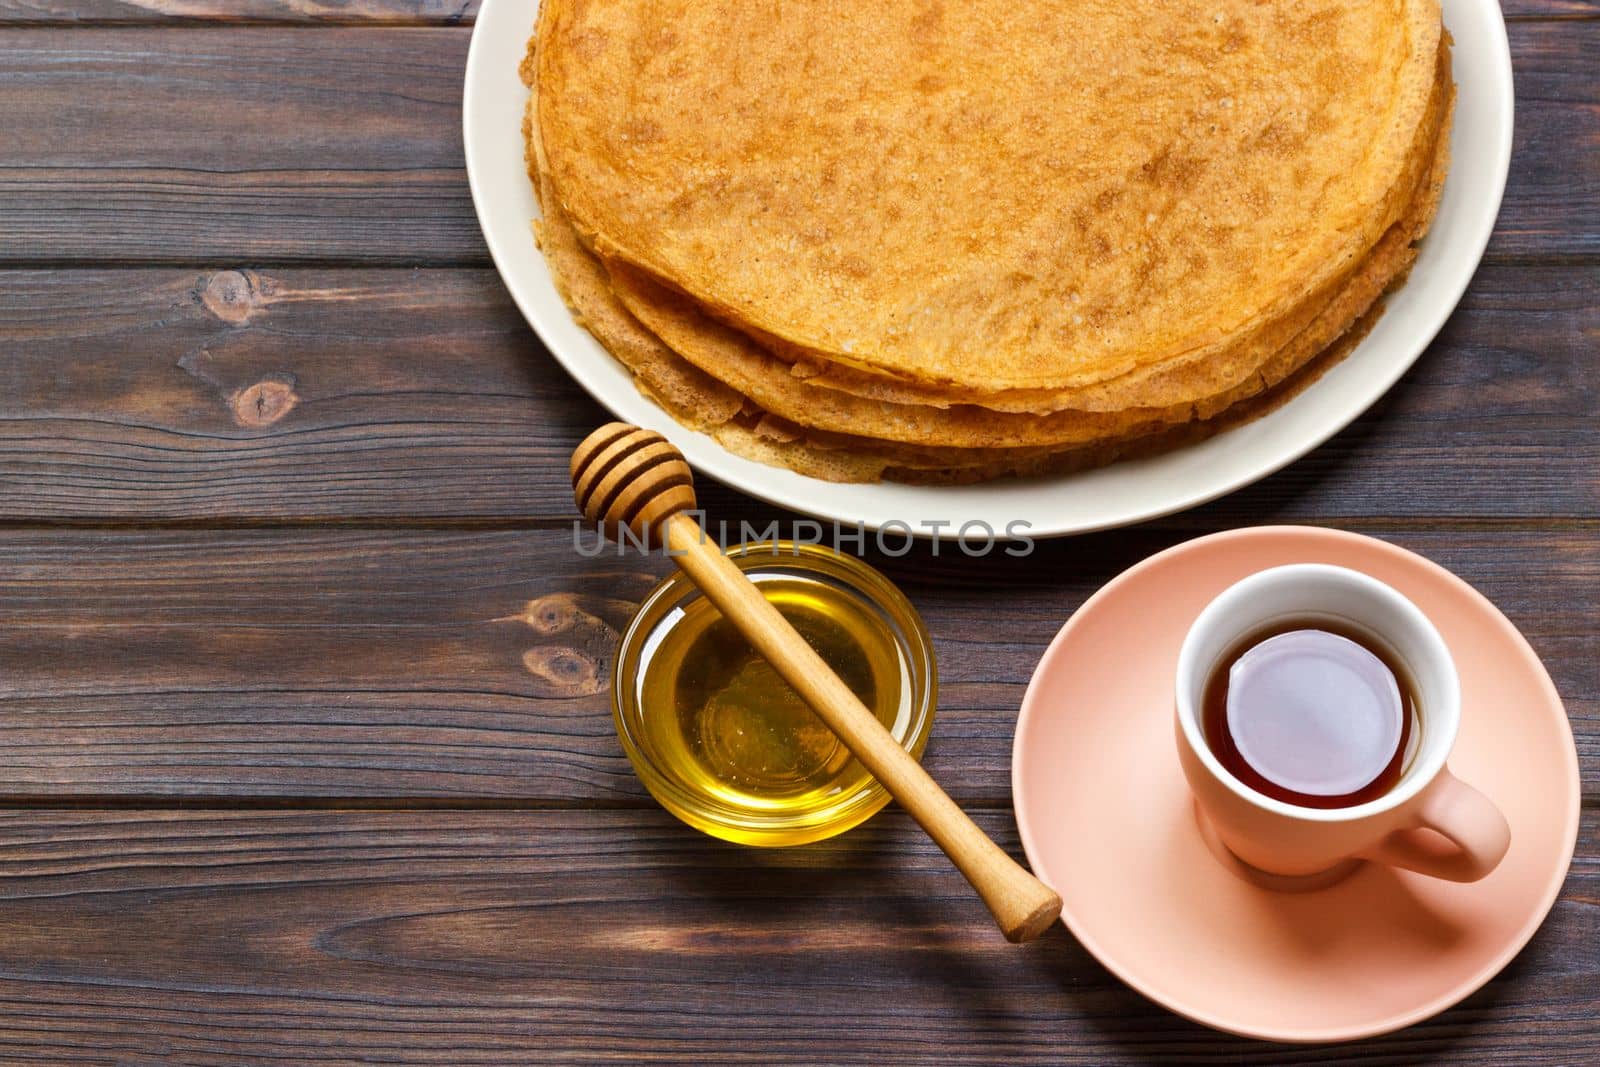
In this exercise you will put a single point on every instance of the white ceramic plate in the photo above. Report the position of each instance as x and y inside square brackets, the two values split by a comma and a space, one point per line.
[1093, 500]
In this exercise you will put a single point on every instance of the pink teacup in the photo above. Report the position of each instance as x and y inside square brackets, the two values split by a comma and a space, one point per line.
[1301, 847]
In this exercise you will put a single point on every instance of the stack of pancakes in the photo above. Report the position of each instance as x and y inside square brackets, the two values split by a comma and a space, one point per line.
[942, 242]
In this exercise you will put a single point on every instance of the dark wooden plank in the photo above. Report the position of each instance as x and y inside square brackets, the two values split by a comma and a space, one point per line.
[207, 144]
[1552, 198]
[462, 665]
[586, 937]
[406, 12]
[296, 144]
[301, 394]
[1562, 9]
[283, 395]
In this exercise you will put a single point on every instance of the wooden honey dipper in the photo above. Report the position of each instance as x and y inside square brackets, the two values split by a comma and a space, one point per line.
[627, 478]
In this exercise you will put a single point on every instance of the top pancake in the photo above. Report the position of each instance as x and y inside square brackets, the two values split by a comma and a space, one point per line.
[983, 195]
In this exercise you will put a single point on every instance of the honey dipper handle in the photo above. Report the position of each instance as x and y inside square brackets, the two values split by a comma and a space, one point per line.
[1022, 905]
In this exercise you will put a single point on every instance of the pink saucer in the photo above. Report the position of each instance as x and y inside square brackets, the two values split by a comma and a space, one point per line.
[1106, 819]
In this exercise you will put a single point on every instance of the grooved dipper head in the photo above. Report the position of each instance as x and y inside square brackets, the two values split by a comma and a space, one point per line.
[624, 477]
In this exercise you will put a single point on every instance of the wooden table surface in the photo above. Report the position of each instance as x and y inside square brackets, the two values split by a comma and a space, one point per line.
[305, 751]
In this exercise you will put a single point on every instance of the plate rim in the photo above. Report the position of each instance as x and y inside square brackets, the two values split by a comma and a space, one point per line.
[880, 506]
[1311, 534]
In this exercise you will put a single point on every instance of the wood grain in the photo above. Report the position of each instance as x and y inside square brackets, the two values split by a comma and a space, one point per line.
[600, 937]
[135, 394]
[204, 144]
[305, 394]
[280, 144]
[473, 666]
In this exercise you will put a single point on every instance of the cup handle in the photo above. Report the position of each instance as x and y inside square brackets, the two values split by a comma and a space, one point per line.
[1464, 818]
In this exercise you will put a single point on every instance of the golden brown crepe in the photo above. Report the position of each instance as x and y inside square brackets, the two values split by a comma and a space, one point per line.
[988, 195]
[704, 403]
[771, 399]
[742, 363]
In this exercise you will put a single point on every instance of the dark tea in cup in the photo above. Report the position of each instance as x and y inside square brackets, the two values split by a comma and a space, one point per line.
[1315, 708]
[1313, 712]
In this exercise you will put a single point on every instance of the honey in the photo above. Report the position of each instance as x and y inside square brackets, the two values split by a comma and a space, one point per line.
[719, 714]
[725, 743]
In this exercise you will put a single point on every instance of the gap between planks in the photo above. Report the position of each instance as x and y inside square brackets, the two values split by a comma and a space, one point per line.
[420, 804]
[161, 803]
[483, 262]
[1199, 525]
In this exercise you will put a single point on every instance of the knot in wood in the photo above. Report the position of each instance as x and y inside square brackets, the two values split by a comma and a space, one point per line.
[563, 672]
[232, 296]
[264, 403]
[553, 613]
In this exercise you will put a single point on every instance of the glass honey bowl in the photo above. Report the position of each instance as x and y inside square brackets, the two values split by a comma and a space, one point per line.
[725, 744]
